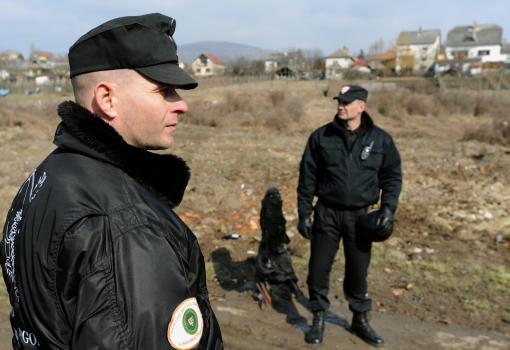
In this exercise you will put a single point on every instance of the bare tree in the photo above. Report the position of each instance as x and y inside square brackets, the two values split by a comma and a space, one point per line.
[239, 65]
[256, 67]
[376, 47]
[314, 59]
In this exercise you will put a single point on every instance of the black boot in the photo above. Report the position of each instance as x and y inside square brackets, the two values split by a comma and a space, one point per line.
[362, 329]
[316, 334]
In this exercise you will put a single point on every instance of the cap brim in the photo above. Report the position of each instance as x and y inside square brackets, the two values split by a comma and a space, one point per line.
[169, 73]
[344, 98]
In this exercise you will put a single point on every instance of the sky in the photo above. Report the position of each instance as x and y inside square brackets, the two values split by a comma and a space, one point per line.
[327, 25]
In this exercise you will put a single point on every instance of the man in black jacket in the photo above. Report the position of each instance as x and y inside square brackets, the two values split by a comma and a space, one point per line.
[93, 256]
[345, 164]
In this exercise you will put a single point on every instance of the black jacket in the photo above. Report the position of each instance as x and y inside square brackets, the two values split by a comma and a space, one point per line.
[340, 178]
[93, 257]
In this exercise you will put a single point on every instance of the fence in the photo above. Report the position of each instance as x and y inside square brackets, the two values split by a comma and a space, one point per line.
[326, 87]
[51, 87]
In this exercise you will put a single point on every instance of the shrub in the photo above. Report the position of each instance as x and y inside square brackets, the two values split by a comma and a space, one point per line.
[277, 97]
[272, 109]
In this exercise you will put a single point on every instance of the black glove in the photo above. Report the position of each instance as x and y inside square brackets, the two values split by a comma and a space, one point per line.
[384, 226]
[305, 227]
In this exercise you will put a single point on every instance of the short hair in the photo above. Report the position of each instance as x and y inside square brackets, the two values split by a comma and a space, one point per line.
[84, 84]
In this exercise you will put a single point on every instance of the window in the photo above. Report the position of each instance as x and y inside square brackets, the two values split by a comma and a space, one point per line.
[198, 70]
[459, 54]
[424, 57]
[484, 53]
[208, 70]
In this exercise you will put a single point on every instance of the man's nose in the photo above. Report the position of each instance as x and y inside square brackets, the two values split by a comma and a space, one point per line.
[177, 104]
[179, 107]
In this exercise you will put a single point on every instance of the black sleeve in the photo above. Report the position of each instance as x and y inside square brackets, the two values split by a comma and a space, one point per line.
[390, 176]
[121, 292]
[308, 171]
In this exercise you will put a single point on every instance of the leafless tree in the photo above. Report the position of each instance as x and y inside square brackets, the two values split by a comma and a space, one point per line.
[314, 59]
[376, 47]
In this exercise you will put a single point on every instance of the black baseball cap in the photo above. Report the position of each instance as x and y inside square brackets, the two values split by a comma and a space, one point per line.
[143, 43]
[350, 93]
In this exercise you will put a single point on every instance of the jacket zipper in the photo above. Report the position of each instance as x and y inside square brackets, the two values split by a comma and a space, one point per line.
[349, 187]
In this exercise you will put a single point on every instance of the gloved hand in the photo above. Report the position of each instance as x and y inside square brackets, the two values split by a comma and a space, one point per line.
[305, 227]
[384, 226]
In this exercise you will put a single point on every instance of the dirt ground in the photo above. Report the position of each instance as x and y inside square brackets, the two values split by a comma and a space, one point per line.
[442, 280]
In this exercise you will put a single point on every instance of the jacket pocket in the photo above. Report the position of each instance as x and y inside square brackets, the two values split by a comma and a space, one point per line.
[374, 160]
[330, 153]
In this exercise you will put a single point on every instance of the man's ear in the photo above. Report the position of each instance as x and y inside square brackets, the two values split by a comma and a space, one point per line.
[362, 106]
[105, 100]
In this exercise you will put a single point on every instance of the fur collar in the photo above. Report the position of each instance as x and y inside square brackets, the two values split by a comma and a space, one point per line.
[164, 174]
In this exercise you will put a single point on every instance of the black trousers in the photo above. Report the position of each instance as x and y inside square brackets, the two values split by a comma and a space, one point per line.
[329, 226]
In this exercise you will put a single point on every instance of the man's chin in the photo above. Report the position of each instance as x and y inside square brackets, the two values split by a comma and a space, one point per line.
[158, 147]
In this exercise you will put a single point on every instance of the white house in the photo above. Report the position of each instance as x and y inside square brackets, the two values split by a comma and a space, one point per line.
[4, 74]
[337, 63]
[417, 50]
[482, 43]
[207, 65]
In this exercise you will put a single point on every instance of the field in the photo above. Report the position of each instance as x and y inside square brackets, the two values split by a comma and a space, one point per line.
[442, 279]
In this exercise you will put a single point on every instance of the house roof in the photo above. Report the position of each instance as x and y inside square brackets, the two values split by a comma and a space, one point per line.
[361, 62]
[213, 58]
[46, 54]
[282, 57]
[419, 37]
[339, 54]
[483, 34]
[11, 52]
[388, 55]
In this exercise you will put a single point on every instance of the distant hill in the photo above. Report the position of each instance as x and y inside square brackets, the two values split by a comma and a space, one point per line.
[223, 50]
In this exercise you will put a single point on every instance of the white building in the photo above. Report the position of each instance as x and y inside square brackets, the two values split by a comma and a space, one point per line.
[417, 50]
[4, 74]
[480, 43]
[207, 65]
[338, 62]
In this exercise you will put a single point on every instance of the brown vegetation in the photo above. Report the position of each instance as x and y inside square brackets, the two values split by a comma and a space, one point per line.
[33, 117]
[398, 105]
[448, 254]
[273, 109]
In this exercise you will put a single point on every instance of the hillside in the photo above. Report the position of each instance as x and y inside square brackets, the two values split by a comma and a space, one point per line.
[225, 51]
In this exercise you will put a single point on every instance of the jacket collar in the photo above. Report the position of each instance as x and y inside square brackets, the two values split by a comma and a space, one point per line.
[367, 124]
[83, 132]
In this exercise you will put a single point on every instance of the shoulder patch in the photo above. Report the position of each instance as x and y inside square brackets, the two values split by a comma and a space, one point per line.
[186, 327]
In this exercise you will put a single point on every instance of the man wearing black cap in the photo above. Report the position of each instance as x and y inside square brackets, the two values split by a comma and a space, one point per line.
[345, 164]
[93, 255]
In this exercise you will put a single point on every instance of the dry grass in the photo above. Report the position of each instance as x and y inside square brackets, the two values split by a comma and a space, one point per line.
[398, 105]
[33, 117]
[273, 109]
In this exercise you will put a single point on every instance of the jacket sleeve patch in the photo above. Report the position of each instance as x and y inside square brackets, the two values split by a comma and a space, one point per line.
[186, 327]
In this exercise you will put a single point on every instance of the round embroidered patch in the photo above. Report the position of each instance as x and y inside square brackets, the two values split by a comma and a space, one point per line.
[190, 321]
[185, 328]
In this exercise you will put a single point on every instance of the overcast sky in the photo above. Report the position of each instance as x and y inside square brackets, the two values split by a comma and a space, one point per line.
[53, 25]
